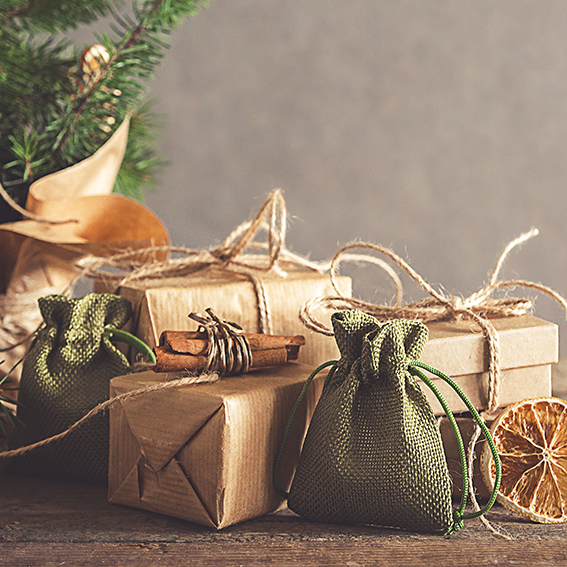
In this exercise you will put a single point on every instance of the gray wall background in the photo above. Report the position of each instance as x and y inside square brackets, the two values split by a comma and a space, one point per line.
[436, 127]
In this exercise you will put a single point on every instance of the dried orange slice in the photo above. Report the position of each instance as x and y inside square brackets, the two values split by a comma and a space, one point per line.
[531, 439]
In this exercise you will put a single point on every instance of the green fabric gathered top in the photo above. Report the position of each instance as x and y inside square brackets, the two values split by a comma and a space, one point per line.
[373, 452]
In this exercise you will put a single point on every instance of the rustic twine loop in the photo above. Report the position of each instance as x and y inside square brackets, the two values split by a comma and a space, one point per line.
[229, 257]
[228, 350]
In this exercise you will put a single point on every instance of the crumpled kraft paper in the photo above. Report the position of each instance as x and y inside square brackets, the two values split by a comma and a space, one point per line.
[38, 258]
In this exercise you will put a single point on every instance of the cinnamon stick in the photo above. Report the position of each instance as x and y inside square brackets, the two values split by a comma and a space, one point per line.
[195, 343]
[186, 350]
[168, 361]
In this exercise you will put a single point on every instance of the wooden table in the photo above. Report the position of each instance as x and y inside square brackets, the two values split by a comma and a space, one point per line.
[48, 523]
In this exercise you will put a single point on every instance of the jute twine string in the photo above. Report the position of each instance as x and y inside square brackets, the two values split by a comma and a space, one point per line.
[228, 349]
[229, 257]
[480, 307]
[178, 383]
[228, 352]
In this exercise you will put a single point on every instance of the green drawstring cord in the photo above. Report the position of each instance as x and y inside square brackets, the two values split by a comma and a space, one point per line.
[129, 339]
[412, 364]
[459, 513]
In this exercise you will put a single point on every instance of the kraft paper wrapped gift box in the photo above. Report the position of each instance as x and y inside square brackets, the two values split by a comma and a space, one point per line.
[164, 305]
[206, 452]
[528, 348]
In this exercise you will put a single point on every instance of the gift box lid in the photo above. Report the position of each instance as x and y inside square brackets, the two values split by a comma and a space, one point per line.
[459, 348]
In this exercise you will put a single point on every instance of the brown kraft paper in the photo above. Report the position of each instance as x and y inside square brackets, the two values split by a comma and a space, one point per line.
[206, 452]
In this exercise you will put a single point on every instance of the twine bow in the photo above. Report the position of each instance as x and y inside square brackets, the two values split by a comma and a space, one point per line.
[228, 257]
[479, 306]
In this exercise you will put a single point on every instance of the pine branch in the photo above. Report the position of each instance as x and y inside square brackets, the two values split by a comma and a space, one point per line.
[55, 110]
[21, 10]
[135, 35]
[52, 15]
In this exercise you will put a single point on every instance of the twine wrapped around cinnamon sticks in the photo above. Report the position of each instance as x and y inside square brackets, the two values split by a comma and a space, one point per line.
[222, 347]
[230, 257]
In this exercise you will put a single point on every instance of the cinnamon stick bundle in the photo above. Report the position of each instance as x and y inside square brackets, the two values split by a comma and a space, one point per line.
[186, 350]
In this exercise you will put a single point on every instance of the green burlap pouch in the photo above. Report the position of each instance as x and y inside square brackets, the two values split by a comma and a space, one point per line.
[66, 373]
[373, 453]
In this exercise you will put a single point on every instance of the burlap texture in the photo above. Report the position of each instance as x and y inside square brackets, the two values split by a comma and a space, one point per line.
[373, 453]
[66, 373]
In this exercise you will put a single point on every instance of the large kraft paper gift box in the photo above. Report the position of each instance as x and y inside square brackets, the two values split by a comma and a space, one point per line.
[164, 305]
[206, 452]
[528, 348]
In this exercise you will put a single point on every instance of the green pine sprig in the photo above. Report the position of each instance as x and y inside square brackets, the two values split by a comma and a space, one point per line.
[52, 16]
[52, 115]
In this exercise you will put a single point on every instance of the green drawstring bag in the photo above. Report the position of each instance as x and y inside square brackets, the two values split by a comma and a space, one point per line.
[66, 373]
[373, 452]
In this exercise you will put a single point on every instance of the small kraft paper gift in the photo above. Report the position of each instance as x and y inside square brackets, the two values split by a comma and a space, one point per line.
[202, 448]
[205, 452]
[259, 285]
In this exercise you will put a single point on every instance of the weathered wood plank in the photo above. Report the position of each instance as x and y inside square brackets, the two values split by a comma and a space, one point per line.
[437, 553]
[62, 523]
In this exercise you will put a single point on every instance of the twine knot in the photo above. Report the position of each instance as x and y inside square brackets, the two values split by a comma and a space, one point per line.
[228, 349]
[229, 257]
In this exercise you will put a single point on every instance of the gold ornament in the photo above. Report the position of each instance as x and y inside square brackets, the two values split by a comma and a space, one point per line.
[92, 61]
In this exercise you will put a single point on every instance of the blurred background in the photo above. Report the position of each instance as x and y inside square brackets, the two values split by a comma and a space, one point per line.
[435, 127]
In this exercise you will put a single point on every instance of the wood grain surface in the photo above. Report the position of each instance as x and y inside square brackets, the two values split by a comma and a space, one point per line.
[52, 523]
